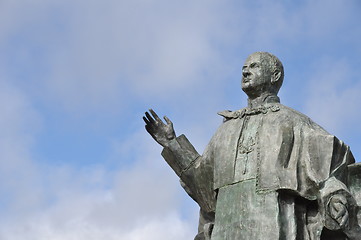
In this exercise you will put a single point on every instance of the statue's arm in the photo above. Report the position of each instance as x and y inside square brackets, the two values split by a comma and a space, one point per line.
[180, 155]
[194, 170]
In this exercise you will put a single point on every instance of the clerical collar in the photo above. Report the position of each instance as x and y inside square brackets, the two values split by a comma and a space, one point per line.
[269, 104]
[263, 100]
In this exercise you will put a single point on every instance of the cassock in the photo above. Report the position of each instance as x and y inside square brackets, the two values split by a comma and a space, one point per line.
[267, 173]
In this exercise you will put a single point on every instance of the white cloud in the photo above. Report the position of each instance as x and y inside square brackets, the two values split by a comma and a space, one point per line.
[334, 94]
[98, 56]
[140, 202]
[102, 57]
[332, 100]
[18, 174]
[169, 227]
[101, 51]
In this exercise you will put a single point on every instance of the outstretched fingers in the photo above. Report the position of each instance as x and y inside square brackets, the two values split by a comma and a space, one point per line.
[146, 121]
[152, 121]
[149, 118]
[155, 116]
[150, 124]
[160, 131]
[168, 121]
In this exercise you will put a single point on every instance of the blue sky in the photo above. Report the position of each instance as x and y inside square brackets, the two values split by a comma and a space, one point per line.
[76, 77]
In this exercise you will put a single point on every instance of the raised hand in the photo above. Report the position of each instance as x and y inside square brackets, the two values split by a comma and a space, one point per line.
[162, 133]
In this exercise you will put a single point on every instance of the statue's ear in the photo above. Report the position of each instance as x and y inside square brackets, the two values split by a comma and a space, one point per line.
[275, 77]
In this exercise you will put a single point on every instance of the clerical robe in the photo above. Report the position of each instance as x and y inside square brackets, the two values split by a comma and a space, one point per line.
[267, 173]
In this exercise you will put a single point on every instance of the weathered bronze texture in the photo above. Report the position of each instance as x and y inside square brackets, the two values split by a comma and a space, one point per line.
[269, 172]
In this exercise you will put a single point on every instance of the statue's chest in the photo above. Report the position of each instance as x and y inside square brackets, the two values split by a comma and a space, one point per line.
[245, 162]
[236, 155]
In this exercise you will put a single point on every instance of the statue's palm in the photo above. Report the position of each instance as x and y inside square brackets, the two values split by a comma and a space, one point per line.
[161, 132]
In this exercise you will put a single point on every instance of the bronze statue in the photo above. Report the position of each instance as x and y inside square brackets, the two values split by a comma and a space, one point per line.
[269, 172]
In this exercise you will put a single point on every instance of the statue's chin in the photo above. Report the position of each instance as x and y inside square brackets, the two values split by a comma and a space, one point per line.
[248, 89]
[254, 89]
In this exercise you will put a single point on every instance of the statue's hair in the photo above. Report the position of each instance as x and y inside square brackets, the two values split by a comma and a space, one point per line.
[275, 65]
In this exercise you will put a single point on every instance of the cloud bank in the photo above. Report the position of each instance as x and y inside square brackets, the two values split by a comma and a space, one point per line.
[79, 75]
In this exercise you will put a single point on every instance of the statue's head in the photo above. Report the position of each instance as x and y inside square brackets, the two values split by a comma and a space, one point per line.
[262, 73]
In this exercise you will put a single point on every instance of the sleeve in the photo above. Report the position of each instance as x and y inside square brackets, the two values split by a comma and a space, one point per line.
[180, 154]
[196, 177]
[194, 170]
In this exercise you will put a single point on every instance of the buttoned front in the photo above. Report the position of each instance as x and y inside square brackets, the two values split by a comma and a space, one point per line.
[246, 162]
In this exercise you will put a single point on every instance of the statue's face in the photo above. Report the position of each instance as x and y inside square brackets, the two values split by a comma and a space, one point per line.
[256, 76]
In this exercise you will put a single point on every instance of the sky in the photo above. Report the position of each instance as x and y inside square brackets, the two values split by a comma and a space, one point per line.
[76, 77]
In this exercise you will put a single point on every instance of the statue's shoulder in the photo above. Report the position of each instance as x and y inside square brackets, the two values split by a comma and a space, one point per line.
[292, 113]
[297, 118]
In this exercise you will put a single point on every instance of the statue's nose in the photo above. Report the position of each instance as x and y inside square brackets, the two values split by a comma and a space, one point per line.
[245, 73]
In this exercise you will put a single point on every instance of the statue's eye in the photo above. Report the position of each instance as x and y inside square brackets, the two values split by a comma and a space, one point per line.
[254, 65]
